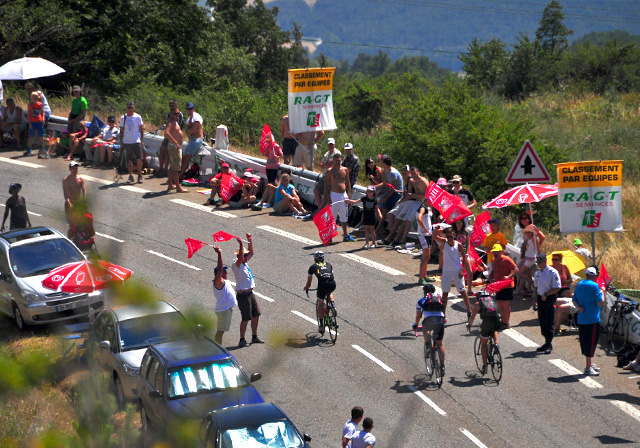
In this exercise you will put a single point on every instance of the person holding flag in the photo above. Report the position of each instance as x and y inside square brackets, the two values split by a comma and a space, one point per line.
[245, 282]
[225, 297]
[454, 264]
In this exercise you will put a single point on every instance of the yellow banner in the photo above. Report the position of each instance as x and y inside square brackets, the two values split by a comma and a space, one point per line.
[310, 79]
[604, 173]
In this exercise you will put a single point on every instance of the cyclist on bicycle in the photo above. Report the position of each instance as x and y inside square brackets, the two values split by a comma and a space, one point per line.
[488, 309]
[431, 307]
[326, 285]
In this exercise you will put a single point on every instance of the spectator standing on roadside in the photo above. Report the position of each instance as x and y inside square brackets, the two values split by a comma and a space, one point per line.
[274, 152]
[388, 190]
[588, 301]
[288, 142]
[494, 237]
[454, 263]
[36, 126]
[173, 134]
[163, 154]
[547, 284]
[249, 309]
[352, 163]
[225, 297]
[78, 112]
[364, 438]
[75, 193]
[503, 268]
[18, 208]
[30, 88]
[306, 149]
[132, 140]
[351, 427]
[463, 194]
[195, 133]
[425, 229]
[327, 162]
[338, 190]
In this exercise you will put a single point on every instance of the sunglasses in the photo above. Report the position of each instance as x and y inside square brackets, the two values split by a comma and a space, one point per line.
[130, 107]
[525, 217]
[541, 261]
[455, 182]
[556, 259]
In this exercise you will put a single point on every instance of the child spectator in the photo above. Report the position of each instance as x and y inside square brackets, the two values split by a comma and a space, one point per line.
[370, 211]
[273, 162]
[18, 208]
[77, 140]
[61, 147]
[36, 125]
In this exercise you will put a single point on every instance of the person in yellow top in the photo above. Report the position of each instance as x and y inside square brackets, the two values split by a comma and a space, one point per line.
[495, 237]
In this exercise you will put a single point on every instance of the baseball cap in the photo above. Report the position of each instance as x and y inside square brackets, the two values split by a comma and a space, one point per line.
[331, 141]
[64, 131]
[494, 221]
[496, 248]
[371, 188]
[592, 271]
[348, 146]
[73, 163]
[224, 268]
[77, 89]
[190, 105]
[111, 119]
[249, 170]
[29, 86]
[244, 251]
[577, 242]
[247, 174]
[541, 257]
[224, 165]
[456, 178]
[441, 181]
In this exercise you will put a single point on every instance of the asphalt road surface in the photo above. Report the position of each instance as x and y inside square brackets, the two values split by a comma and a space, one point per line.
[542, 400]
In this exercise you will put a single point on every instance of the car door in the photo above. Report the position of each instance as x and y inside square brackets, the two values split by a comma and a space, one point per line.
[107, 359]
[158, 403]
[147, 386]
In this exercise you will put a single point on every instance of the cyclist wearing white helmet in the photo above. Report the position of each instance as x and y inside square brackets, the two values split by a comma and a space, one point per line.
[326, 284]
[431, 307]
[488, 309]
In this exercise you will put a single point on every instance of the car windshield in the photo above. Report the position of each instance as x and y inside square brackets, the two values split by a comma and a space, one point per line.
[153, 329]
[204, 378]
[267, 435]
[42, 256]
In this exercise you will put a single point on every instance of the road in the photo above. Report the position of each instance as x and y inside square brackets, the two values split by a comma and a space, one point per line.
[542, 400]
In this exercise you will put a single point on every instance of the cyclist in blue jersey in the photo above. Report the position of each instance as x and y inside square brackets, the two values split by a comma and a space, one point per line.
[431, 307]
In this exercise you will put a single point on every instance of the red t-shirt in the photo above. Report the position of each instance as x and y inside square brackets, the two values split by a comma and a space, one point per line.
[36, 112]
[502, 268]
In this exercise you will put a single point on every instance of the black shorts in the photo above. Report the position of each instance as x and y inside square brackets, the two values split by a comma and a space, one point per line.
[289, 146]
[248, 305]
[434, 324]
[505, 294]
[489, 326]
[588, 335]
[271, 175]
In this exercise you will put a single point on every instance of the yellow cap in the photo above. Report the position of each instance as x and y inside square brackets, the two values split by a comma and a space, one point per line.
[496, 248]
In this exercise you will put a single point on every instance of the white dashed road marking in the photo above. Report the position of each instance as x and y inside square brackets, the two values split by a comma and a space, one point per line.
[291, 236]
[424, 398]
[519, 337]
[174, 260]
[110, 182]
[568, 368]
[473, 438]
[203, 208]
[305, 317]
[373, 264]
[372, 358]
[31, 213]
[632, 377]
[628, 408]
[109, 237]
[21, 163]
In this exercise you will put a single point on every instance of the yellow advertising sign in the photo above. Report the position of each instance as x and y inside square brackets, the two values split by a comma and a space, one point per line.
[604, 173]
[310, 79]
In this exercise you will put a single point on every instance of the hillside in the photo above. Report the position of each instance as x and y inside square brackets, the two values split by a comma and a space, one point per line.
[445, 29]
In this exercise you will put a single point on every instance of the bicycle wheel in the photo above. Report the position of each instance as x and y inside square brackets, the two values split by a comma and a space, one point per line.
[427, 360]
[611, 320]
[437, 366]
[619, 334]
[477, 353]
[332, 324]
[496, 364]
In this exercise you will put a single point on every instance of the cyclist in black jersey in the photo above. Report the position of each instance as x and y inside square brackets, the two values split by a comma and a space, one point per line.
[488, 309]
[431, 307]
[326, 284]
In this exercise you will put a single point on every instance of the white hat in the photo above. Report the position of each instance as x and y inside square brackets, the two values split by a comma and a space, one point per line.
[331, 141]
[348, 146]
[248, 174]
[592, 271]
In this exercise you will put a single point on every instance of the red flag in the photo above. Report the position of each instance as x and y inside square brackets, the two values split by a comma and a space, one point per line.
[603, 280]
[326, 224]
[481, 229]
[474, 259]
[222, 236]
[194, 246]
[449, 205]
[266, 140]
[230, 184]
[494, 287]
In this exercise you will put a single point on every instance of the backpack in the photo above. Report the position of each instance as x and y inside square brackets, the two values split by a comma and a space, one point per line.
[488, 307]
[193, 172]
[325, 277]
[433, 303]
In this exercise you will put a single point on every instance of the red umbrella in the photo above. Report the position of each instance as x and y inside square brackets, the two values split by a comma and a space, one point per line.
[523, 194]
[86, 276]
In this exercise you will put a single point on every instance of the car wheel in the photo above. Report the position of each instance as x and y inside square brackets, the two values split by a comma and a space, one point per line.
[119, 393]
[19, 320]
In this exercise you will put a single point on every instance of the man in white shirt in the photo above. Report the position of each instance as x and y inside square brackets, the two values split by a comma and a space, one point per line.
[225, 297]
[364, 438]
[132, 140]
[583, 252]
[351, 427]
[195, 134]
[547, 284]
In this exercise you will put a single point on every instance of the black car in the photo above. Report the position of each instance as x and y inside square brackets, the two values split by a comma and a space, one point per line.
[255, 425]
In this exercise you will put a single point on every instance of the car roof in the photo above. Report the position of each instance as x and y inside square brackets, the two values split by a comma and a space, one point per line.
[136, 311]
[25, 236]
[190, 351]
[247, 415]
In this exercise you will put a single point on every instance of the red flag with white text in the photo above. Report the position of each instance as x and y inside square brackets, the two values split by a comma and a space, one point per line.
[230, 184]
[266, 140]
[494, 287]
[481, 229]
[222, 236]
[326, 224]
[450, 206]
[474, 259]
[193, 246]
[603, 280]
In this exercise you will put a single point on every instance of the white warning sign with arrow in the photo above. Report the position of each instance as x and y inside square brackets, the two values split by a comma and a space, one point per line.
[527, 167]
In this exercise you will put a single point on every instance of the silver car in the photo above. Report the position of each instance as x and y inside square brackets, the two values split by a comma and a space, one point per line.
[120, 337]
[26, 257]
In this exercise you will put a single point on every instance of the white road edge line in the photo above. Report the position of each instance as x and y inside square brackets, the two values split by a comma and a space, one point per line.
[31, 213]
[109, 237]
[257, 294]
[291, 236]
[427, 400]
[20, 162]
[174, 260]
[373, 358]
[627, 408]
[305, 317]
[473, 438]
[632, 377]
[203, 208]
[519, 337]
[568, 368]
[110, 182]
[373, 264]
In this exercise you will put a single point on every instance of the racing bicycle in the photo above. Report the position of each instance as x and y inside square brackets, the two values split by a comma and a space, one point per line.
[494, 358]
[329, 320]
[432, 361]
[617, 324]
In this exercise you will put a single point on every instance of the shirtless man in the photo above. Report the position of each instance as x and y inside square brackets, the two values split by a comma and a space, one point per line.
[400, 217]
[306, 150]
[195, 134]
[173, 134]
[337, 188]
[75, 192]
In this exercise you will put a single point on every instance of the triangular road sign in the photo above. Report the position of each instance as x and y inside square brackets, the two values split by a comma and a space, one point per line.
[527, 167]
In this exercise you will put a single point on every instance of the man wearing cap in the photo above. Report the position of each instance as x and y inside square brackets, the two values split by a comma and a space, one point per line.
[31, 87]
[288, 142]
[132, 140]
[173, 134]
[163, 154]
[352, 163]
[225, 297]
[79, 107]
[195, 134]
[75, 192]
[463, 194]
[588, 301]
[494, 237]
[547, 284]
[216, 182]
[245, 283]
[94, 148]
[306, 149]
[503, 268]
[582, 251]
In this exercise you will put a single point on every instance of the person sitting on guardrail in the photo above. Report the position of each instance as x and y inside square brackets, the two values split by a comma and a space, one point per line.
[287, 199]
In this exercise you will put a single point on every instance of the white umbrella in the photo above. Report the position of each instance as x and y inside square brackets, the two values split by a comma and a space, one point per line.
[28, 68]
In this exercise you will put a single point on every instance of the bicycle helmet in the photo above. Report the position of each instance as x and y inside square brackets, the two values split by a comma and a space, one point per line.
[318, 255]
[428, 289]
[483, 293]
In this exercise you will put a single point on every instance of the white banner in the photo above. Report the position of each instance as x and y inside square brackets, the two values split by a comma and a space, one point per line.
[590, 196]
[311, 100]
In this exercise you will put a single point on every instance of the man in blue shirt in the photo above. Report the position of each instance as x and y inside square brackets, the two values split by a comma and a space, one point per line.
[588, 301]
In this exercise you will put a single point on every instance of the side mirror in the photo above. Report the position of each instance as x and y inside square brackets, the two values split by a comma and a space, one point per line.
[155, 394]
[255, 376]
[105, 345]
[306, 437]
